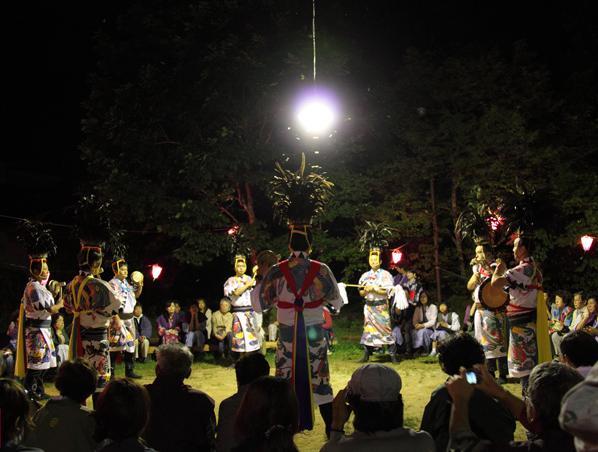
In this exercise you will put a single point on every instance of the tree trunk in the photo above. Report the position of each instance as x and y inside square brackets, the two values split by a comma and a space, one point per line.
[436, 236]
[245, 199]
[458, 238]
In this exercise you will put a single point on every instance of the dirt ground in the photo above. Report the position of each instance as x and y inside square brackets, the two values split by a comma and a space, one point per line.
[420, 377]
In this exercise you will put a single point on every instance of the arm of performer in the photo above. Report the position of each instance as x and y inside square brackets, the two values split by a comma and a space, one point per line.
[498, 277]
[138, 289]
[473, 282]
[57, 306]
[244, 287]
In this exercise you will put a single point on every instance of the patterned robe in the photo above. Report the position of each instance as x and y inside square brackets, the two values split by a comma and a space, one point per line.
[93, 302]
[377, 330]
[121, 335]
[40, 350]
[246, 331]
[274, 290]
[523, 283]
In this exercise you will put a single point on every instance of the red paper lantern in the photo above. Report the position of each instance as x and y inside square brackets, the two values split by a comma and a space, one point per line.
[397, 255]
[156, 271]
[586, 242]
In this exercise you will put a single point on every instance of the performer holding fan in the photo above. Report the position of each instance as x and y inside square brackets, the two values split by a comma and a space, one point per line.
[299, 287]
[35, 349]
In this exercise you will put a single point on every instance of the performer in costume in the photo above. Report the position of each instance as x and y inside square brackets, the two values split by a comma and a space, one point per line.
[91, 300]
[122, 328]
[377, 286]
[35, 349]
[489, 325]
[245, 328]
[298, 287]
[523, 284]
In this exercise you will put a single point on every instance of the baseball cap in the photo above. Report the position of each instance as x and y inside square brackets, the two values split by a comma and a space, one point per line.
[375, 383]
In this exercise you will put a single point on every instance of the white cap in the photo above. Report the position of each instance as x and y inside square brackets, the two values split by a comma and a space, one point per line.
[375, 383]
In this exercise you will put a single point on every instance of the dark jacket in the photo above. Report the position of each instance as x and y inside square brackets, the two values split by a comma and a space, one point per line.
[488, 418]
[143, 327]
[182, 418]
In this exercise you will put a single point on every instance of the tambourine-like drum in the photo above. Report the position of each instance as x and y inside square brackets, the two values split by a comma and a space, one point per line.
[137, 277]
[494, 298]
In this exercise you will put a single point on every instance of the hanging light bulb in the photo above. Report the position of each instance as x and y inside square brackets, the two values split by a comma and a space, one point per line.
[586, 242]
[156, 271]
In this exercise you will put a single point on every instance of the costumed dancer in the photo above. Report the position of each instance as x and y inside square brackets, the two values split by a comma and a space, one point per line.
[489, 324]
[35, 348]
[526, 313]
[92, 301]
[376, 287]
[238, 289]
[299, 287]
[413, 290]
[121, 333]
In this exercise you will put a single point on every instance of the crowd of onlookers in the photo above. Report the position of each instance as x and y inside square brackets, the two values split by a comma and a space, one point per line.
[559, 411]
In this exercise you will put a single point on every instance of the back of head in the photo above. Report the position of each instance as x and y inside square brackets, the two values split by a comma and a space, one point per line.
[548, 383]
[267, 258]
[174, 361]
[268, 416]
[374, 394]
[122, 410]
[461, 350]
[250, 368]
[14, 409]
[76, 380]
[580, 349]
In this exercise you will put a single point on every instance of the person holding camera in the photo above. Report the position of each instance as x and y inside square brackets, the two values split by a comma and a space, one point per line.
[488, 419]
[374, 396]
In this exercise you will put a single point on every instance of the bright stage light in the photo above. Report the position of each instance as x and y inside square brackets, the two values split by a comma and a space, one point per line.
[316, 116]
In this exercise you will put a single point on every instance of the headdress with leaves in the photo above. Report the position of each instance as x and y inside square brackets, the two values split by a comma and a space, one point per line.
[374, 235]
[118, 249]
[481, 220]
[37, 239]
[239, 244]
[525, 208]
[93, 226]
[299, 196]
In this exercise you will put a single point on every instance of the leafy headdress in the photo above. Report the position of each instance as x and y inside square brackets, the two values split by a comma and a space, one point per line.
[239, 245]
[93, 227]
[118, 250]
[299, 197]
[38, 242]
[373, 237]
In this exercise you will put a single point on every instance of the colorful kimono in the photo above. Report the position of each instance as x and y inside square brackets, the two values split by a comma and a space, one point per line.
[246, 331]
[441, 333]
[560, 319]
[39, 346]
[377, 330]
[523, 284]
[121, 335]
[93, 302]
[169, 328]
[300, 318]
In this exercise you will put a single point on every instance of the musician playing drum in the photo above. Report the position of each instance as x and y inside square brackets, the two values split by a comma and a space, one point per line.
[522, 283]
[488, 323]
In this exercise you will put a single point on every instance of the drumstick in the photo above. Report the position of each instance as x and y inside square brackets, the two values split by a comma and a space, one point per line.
[363, 285]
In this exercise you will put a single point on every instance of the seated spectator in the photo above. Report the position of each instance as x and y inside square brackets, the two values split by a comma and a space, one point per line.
[196, 330]
[15, 418]
[424, 319]
[65, 424]
[580, 351]
[169, 324]
[248, 369]
[222, 329]
[579, 412]
[267, 419]
[447, 324]
[560, 321]
[538, 412]
[143, 333]
[203, 308]
[182, 418]
[374, 396]
[580, 312]
[488, 419]
[60, 338]
[590, 324]
[121, 415]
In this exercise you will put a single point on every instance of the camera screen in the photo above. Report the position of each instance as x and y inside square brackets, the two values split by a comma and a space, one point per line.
[471, 377]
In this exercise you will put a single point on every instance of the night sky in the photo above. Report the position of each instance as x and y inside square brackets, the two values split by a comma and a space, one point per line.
[48, 54]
